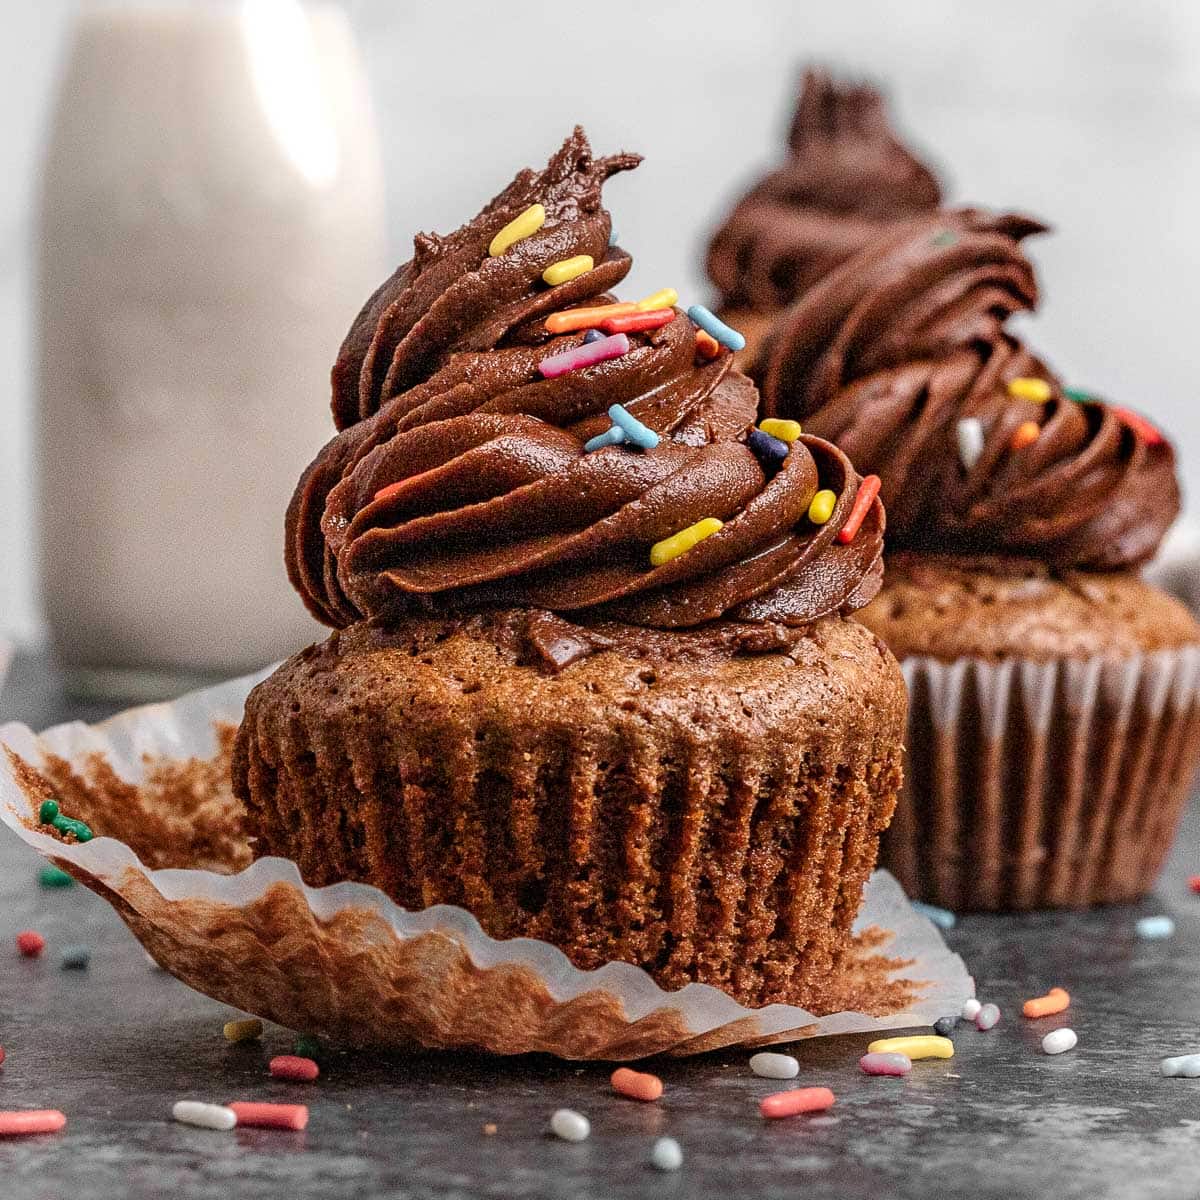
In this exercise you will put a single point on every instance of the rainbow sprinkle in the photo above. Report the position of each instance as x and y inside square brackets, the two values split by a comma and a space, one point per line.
[580, 357]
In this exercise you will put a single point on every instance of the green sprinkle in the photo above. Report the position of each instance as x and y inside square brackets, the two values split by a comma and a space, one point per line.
[76, 958]
[1078, 395]
[54, 877]
[947, 237]
[307, 1046]
[48, 811]
[66, 825]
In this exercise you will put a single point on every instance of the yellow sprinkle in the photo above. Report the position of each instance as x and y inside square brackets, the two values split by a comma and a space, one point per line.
[663, 298]
[530, 221]
[785, 431]
[568, 269]
[923, 1046]
[821, 508]
[243, 1031]
[681, 542]
[1036, 390]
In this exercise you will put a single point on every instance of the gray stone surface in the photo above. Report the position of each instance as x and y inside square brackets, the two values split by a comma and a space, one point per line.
[116, 1045]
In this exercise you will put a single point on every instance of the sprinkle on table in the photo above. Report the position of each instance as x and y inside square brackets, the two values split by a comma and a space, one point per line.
[680, 543]
[30, 943]
[76, 958]
[1, 1056]
[249, 1030]
[785, 431]
[307, 1046]
[821, 506]
[1024, 435]
[715, 327]
[638, 322]
[1155, 929]
[663, 298]
[918, 1046]
[270, 1116]
[863, 499]
[294, 1067]
[797, 1100]
[55, 877]
[768, 1065]
[945, 1026]
[636, 1085]
[666, 1154]
[988, 1017]
[892, 1063]
[943, 918]
[520, 227]
[1059, 1041]
[969, 434]
[1036, 391]
[568, 269]
[204, 1116]
[1056, 1000]
[27, 1122]
[1181, 1066]
[970, 1009]
[570, 1125]
[580, 357]
[571, 319]
[707, 346]
[1139, 425]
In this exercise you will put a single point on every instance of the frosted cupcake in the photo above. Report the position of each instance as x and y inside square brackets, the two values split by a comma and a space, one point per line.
[592, 676]
[1054, 726]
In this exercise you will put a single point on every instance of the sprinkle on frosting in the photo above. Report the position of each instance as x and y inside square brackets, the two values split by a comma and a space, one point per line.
[969, 433]
[716, 328]
[638, 322]
[520, 227]
[1024, 435]
[679, 543]
[568, 269]
[664, 298]
[581, 318]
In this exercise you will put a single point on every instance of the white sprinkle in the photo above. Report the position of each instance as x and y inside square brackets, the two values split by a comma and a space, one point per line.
[1155, 928]
[667, 1154]
[987, 1017]
[570, 1125]
[775, 1066]
[1186, 1066]
[206, 1116]
[943, 918]
[1059, 1041]
[970, 441]
[970, 1010]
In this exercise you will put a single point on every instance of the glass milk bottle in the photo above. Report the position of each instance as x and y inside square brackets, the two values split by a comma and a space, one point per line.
[211, 219]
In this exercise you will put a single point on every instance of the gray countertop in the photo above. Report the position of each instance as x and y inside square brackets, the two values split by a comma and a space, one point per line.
[116, 1045]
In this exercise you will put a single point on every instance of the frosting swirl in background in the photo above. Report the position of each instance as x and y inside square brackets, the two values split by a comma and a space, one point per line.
[846, 179]
[900, 344]
[491, 500]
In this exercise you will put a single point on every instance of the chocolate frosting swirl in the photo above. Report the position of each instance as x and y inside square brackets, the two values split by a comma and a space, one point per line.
[488, 498]
[890, 352]
[846, 179]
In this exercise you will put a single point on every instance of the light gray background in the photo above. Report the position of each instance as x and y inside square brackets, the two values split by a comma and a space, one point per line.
[1085, 113]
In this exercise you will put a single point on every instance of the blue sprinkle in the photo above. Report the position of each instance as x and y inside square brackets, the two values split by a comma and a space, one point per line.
[715, 327]
[943, 918]
[770, 451]
[945, 1026]
[76, 958]
[612, 238]
[634, 430]
[1155, 928]
[613, 436]
[593, 335]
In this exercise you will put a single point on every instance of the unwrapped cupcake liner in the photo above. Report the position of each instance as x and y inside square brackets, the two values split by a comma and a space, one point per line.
[348, 963]
[1043, 784]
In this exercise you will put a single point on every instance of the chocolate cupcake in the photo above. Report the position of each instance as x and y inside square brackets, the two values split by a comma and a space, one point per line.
[1054, 722]
[593, 676]
[846, 179]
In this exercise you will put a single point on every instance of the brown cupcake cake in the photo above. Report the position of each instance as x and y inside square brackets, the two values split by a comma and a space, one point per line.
[847, 178]
[1054, 722]
[592, 676]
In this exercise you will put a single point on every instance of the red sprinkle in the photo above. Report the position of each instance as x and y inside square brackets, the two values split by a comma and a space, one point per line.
[292, 1066]
[637, 1085]
[636, 322]
[1194, 883]
[798, 1100]
[707, 346]
[864, 498]
[19, 1124]
[1, 1055]
[270, 1116]
[1140, 426]
[30, 943]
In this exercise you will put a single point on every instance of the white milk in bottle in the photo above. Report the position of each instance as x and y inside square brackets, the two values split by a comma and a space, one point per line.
[211, 220]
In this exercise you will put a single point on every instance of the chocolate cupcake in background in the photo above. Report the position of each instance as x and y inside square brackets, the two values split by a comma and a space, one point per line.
[1054, 720]
[538, 702]
[846, 178]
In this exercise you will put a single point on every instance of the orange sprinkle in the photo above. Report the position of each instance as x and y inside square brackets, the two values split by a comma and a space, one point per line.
[1026, 434]
[1194, 883]
[863, 499]
[585, 318]
[1056, 1000]
[707, 346]
[797, 1100]
[636, 1085]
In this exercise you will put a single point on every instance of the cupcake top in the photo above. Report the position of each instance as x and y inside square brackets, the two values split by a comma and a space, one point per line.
[846, 178]
[503, 444]
[904, 358]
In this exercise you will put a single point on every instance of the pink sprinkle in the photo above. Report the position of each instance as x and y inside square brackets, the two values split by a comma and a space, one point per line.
[886, 1064]
[24, 1123]
[30, 943]
[584, 356]
[270, 1116]
[292, 1066]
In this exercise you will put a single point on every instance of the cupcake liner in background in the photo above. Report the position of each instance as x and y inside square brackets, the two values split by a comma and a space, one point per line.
[5, 660]
[345, 961]
[1043, 784]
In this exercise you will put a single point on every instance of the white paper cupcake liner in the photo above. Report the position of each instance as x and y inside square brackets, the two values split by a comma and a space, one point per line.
[345, 961]
[1043, 784]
